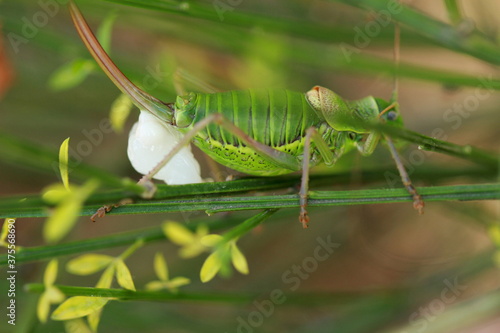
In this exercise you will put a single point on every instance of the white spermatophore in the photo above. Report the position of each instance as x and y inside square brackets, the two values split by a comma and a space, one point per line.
[150, 140]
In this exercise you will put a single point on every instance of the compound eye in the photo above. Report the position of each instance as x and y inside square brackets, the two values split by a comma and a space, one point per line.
[392, 115]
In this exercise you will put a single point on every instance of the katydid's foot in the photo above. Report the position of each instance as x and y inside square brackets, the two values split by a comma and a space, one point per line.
[304, 218]
[418, 203]
[101, 212]
[149, 187]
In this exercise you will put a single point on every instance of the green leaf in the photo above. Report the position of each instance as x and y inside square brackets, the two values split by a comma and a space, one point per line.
[63, 163]
[211, 240]
[210, 267]
[494, 232]
[178, 233]
[50, 274]
[54, 193]
[5, 231]
[238, 259]
[65, 214]
[120, 110]
[155, 285]
[78, 306]
[76, 326]
[71, 74]
[104, 32]
[43, 308]
[123, 275]
[88, 264]
[178, 281]
[106, 277]
[93, 319]
[161, 268]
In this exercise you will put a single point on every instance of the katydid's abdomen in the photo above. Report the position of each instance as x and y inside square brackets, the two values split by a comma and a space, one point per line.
[277, 118]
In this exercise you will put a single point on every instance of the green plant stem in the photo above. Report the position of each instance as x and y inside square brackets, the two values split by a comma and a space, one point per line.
[132, 248]
[453, 10]
[317, 199]
[472, 43]
[15, 204]
[248, 225]
[467, 152]
[30, 254]
[338, 298]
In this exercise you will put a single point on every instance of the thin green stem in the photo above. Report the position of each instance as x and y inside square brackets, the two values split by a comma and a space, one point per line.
[473, 42]
[248, 225]
[30, 254]
[453, 9]
[328, 198]
[467, 152]
[131, 249]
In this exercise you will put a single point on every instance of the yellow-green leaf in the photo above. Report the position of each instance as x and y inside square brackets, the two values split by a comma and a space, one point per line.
[55, 193]
[106, 277]
[238, 259]
[120, 109]
[43, 308]
[66, 213]
[71, 74]
[54, 295]
[5, 230]
[177, 233]
[210, 240]
[104, 32]
[63, 163]
[78, 306]
[88, 264]
[178, 282]
[155, 285]
[494, 232]
[210, 267]
[76, 326]
[161, 268]
[50, 274]
[51, 295]
[93, 319]
[123, 275]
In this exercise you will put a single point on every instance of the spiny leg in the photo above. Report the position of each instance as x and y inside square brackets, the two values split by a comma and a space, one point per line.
[329, 158]
[270, 154]
[418, 203]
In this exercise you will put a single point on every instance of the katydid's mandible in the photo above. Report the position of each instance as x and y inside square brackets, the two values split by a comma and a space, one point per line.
[256, 131]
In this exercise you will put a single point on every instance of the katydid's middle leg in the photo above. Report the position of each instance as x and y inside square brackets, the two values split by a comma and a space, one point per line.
[329, 158]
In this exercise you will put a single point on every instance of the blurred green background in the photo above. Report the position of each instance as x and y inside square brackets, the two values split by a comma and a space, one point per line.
[390, 264]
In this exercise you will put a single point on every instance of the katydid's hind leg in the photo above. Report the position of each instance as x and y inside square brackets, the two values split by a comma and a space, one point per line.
[270, 154]
[329, 158]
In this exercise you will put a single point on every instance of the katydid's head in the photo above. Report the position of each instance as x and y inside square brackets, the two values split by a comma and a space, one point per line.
[140, 98]
[331, 107]
[389, 113]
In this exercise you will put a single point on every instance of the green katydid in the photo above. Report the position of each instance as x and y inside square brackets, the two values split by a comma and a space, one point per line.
[257, 132]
